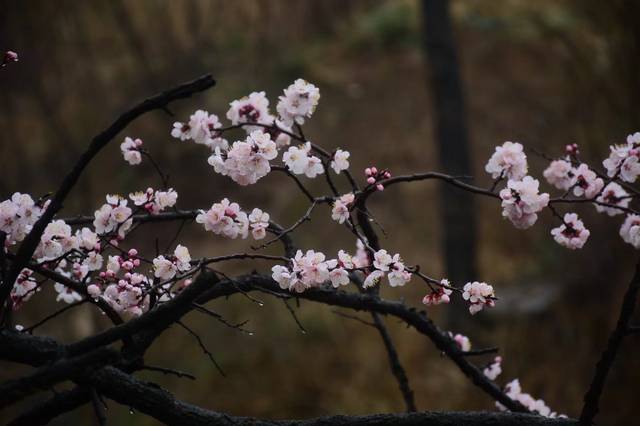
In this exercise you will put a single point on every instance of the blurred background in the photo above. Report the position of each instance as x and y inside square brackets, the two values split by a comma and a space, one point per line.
[542, 73]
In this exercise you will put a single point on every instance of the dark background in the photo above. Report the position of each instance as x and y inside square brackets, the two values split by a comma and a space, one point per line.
[544, 73]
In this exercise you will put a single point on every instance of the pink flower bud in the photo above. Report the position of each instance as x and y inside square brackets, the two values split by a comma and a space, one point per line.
[132, 252]
[371, 180]
[374, 170]
[136, 262]
[380, 187]
[367, 171]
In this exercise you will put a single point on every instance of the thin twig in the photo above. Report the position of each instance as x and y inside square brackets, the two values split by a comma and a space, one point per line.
[203, 347]
[170, 371]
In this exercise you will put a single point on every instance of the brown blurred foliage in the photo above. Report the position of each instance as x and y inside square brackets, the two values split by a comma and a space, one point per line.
[544, 73]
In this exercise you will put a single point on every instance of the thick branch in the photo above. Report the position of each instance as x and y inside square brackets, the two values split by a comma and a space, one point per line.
[163, 406]
[372, 303]
[592, 397]
[45, 377]
[43, 413]
[394, 361]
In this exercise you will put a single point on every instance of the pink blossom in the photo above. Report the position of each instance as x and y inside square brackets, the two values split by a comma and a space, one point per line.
[630, 230]
[560, 174]
[587, 183]
[479, 295]
[521, 201]
[440, 295]
[131, 150]
[341, 206]
[615, 195]
[571, 234]
[508, 161]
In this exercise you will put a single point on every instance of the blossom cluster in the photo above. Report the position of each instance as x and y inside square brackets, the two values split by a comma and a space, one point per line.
[166, 268]
[154, 201]
[479, 295]
[439, 295]
[312, 269]
[121, 286]
[202, 128]
[246, 161]
[227, 219]
[114, 216]
[75, 271]
[514, 391]
[17, 216]
[299, 161]
[623, 161]
[609, 197]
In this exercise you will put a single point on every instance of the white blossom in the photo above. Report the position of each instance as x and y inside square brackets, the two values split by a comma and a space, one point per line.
[299, 102]
[340, 161]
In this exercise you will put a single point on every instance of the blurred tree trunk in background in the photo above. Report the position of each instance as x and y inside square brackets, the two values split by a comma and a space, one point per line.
[458, 231]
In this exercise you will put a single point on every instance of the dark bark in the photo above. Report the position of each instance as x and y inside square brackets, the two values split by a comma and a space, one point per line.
[163, 406]
[42, 413]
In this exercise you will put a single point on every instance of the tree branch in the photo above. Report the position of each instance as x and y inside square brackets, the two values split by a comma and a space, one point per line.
[163, 406]
[372, 303]
[592, 397]
[31, 241]
[396, 366]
